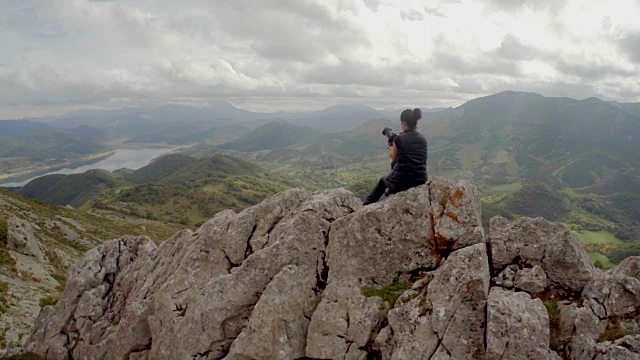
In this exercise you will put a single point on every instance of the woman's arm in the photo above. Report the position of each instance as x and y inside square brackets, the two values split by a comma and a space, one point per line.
[393, 152]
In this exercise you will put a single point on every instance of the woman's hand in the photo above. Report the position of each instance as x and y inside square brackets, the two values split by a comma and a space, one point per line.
[393, 152]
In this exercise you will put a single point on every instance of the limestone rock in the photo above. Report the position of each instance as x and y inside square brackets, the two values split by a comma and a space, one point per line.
[532, 280]
[371, 247]
[621, 349]
[579, 322]
[628, 267]
[21, 239]
[613, 295]
[456, 214]
[611, 301]
[199, 292]
[82, 301]
[447, 318]
[69, 233]
[539, 242]
[319, 276]
[507, 276]
[517, 326]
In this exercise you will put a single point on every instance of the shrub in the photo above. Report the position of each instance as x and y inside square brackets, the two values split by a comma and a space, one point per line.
[47, 301]
[538, 200]
[624, 251]
[3, 231]
[489, 210]
[4, 303]
[613, 332]
[556, 342]
[23, 356]
[389, 293]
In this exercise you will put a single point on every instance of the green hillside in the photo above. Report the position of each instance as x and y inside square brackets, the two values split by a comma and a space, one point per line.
[363, 145]
[159, 168]
[194, 133]
[219, 166]
[74, 190]
[538, 200]
[190, 204]
[174, 188]
[273, 135]
[181, 189]
[48, 145]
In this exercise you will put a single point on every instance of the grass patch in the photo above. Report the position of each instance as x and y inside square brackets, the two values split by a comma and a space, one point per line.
[505, 188]
[613, 333]
[597, 237]
[389, 293]
[49, 300]
[556, 342]
[601, 261]
[61, 279]
[23, 356]
[4, 291]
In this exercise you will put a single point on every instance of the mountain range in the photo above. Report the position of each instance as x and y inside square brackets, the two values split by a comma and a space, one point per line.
[178, 123]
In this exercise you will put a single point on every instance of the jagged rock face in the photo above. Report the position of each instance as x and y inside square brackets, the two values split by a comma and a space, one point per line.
[89, 286]
[550, 249]
[257, 284]
[20, 238]
[518, 327]
[543, 259]
[320, 276]
[443, 315]
[196, 293]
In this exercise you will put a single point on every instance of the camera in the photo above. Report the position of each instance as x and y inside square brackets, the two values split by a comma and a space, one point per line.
[388, 132]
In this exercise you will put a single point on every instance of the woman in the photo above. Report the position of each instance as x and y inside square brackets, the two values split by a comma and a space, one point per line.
[408, 153]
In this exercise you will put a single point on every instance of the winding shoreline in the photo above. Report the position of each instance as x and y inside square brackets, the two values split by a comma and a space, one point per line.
[43, 169]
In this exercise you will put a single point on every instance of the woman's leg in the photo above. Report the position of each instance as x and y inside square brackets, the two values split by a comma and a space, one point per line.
[377, 192]
[400, 187]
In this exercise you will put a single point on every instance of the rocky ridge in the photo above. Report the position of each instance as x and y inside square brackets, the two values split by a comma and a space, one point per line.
[38, 244]
[319, 276]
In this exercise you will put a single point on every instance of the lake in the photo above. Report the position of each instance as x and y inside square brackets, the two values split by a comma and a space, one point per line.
[122, 158]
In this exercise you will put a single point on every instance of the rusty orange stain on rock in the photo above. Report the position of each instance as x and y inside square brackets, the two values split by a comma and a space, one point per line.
[456, 197]
[453, 217]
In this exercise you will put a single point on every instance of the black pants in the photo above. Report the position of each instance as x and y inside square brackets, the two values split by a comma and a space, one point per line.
[383, 185]
[377, 191]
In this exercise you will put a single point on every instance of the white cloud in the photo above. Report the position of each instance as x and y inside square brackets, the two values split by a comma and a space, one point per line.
[269, 54]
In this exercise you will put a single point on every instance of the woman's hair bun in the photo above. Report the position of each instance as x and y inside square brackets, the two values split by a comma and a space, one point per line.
[417, 114]
[411, 117]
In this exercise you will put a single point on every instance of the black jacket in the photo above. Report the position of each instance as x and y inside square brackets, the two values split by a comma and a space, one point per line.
[411, 167]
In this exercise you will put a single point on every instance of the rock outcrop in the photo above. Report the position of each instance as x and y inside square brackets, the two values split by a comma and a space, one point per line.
[589, 311]
[20, 238]
[319, 276]
[550, 249]
[518, 327]
[38, 245]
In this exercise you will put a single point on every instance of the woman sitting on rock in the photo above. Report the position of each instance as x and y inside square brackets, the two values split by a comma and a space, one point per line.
[408, 152]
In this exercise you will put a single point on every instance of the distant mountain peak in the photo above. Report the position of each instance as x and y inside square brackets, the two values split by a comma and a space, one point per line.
[221, 104]
[350, 107]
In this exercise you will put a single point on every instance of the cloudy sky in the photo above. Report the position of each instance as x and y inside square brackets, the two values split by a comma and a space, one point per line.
[307, 54]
